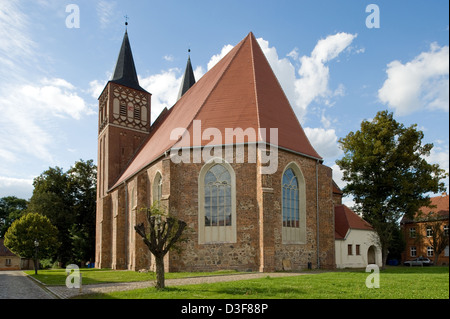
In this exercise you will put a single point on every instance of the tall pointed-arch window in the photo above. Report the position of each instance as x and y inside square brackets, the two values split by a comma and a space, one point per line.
[157, 188]
[293, 205]
[291, 214]
[217, 201]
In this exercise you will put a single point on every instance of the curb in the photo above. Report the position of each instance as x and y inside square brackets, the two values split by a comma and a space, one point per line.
[43, 286]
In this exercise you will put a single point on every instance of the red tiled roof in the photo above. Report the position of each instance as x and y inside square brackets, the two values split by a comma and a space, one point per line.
[441, 208]
[441, 203]
[241, 91]
[5, 251]
[345, 219]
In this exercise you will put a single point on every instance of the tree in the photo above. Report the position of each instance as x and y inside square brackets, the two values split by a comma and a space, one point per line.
[53, 198]
[83, 184]
[30, 229]
[385, 166]
[68, 200]
[438, 237]
[11, 208]
[164, 232]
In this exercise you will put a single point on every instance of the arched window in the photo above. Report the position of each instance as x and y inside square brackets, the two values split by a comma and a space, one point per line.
[291, 214]
[217, 203]
[217, 188]
[293, 205]
[157, 188]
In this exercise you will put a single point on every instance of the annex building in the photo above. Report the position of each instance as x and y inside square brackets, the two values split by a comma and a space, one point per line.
[230, 158]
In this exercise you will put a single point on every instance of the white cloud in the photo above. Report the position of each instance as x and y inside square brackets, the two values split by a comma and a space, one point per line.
[17, 47]
[96, 88]
[168, 57]
[164, 87]
[29, 114]
[216, 58]
[315, 74]
[324, 141]
[105, 12]
[419, 84]
[56, 97]
[22, 188]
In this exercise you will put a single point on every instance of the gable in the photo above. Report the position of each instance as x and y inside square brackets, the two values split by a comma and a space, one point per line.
[241, 91]
[346, 219]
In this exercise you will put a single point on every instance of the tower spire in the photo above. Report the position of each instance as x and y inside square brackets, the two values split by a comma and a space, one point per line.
[125, 70]
[188, 78]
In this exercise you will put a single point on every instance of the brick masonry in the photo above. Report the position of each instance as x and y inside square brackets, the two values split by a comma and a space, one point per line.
[259, 245]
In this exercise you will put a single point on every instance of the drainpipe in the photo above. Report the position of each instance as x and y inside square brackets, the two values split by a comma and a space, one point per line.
[317, 213]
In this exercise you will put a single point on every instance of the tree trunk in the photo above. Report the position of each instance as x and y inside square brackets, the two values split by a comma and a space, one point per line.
[384, 255]
[160, 272]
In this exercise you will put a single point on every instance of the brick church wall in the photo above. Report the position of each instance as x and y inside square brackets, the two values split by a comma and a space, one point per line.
[259, 245]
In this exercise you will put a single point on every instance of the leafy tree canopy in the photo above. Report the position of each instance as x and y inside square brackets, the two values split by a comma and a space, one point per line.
[387, 173]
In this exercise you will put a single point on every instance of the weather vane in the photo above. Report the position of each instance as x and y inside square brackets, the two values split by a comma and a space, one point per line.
[126, 20]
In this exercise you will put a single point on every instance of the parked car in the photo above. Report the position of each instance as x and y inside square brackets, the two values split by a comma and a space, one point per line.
[421, 261]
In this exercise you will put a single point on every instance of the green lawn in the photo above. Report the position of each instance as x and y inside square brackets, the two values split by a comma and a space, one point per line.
[395, 283]
[57, 277]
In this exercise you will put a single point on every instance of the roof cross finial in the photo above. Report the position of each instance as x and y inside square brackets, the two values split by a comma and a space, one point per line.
[126, 20]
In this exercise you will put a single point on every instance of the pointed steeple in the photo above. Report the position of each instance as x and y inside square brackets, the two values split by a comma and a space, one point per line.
[125, 71]
[188, 79]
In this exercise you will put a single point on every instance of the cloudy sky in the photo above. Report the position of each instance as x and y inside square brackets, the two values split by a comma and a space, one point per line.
[339, 62]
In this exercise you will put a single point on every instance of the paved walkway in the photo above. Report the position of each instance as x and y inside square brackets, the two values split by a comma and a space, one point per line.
[16, 285]
[63, 292]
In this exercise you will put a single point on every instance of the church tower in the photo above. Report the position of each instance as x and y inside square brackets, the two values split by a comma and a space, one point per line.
[124, 119]
[123, 126]
[188, 79]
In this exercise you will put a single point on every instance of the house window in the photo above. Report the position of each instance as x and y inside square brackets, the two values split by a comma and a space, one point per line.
[217, 203]
[293, 205]
[430, 251]
[429, 231]
[358, 250]
[349, 250]
[446, 230]
[412, 232]
[8, 262]
[157, 188]
[413, 251]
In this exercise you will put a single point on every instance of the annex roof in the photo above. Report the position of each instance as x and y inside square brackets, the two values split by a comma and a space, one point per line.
[240, 91]
[345, 219]
[5, 252]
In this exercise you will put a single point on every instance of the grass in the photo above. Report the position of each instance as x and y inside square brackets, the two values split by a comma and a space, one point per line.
[57, 277]
[395, 283]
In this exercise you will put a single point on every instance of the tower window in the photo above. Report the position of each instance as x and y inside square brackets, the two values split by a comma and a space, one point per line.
[137, 113]
[123, 110]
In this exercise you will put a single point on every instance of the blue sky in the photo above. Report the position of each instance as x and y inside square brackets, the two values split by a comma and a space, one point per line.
[334, 69]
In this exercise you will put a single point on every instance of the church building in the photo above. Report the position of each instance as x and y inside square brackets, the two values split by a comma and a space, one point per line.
[229, 158]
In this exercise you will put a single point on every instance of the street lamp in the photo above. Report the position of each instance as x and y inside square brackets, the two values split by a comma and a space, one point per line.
[36, 265]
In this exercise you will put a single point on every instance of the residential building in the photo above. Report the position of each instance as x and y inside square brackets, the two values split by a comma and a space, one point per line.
[418, 231]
